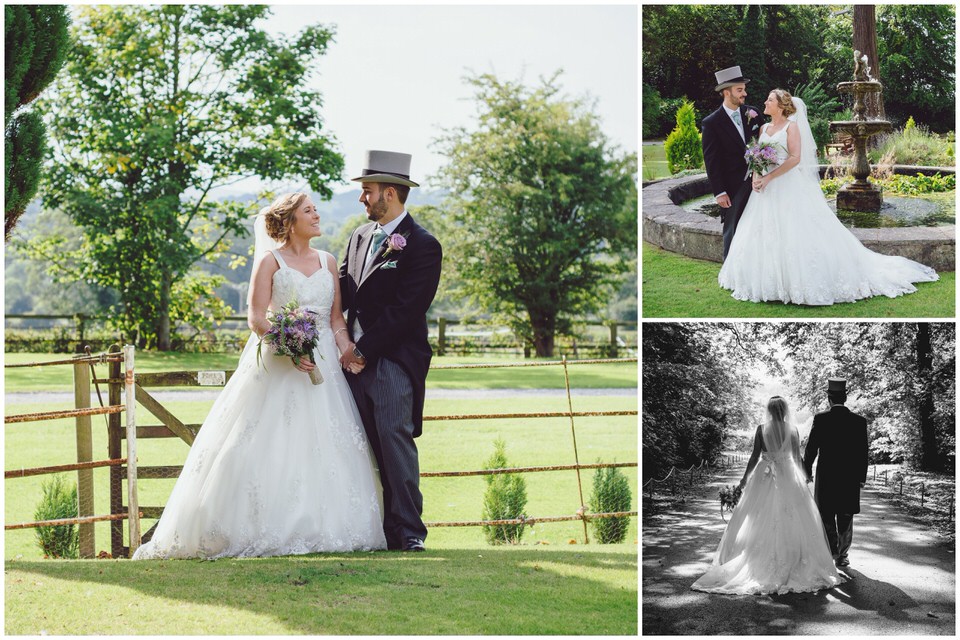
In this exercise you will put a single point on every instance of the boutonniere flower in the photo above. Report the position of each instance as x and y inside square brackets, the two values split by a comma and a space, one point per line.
[751, 114]
[395, 242]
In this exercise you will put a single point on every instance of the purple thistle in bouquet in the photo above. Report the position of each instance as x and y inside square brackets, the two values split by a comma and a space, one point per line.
[293, 334]
[762, 157]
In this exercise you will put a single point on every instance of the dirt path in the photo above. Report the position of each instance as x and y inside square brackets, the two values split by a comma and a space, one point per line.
[903, 578]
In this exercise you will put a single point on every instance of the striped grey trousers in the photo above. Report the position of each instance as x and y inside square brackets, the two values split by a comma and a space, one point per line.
[384, 397]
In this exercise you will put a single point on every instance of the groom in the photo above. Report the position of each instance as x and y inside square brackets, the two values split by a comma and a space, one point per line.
[839, 436]
[388, 279]
[726, 133]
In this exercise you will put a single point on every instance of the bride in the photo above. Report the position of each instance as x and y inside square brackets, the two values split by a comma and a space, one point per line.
[280, 466]
[775, 541]
[789, 244]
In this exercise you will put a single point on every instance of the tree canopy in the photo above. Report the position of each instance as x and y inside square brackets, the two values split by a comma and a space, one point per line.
[159, 106]
[698, 382]
[545, 208]
[800, 45]
[36, 42]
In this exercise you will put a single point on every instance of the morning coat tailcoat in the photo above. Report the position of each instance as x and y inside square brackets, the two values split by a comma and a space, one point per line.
[839, 438]
[391, 299]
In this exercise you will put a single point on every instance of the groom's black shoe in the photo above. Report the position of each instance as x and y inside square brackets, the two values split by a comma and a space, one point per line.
[413, 544]
[843, 562]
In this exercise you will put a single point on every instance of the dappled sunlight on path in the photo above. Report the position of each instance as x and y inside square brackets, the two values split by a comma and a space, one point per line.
[902, 577]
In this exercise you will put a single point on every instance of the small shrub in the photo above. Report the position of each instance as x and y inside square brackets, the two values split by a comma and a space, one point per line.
[909, 125]
[505, 499]
[683, 147]
[611, 494]
[59, 501]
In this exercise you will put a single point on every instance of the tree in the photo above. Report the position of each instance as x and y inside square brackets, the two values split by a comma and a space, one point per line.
[544, 207]
[919, 80]
[751, 47]
[865, 41]
[902, 375]
[36, 43]
[160, 106]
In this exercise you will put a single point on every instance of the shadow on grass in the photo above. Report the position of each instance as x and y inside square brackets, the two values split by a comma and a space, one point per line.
[470, 591]
[902, 579]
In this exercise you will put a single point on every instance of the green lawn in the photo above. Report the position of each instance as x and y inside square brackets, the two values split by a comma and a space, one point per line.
[675, 286]
[654, 161]
[552, 583]
[582, 376]
[491, 591]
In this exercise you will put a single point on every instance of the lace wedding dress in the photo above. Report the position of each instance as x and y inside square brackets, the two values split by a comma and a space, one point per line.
[280, 466]
[790, 246]
[775, 540]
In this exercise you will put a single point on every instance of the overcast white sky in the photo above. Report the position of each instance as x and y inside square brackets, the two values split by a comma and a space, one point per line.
[417, 56]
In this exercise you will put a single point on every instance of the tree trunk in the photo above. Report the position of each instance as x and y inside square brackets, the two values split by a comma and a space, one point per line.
[930, 460]
[544, 325]
[163, 311]
[865, 41]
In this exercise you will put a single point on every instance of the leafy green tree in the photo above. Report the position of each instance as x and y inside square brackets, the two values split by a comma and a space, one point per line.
[918, 79]
[160, 106]
[751, 47]
[684, 148]
[543, 205]
[36, 43]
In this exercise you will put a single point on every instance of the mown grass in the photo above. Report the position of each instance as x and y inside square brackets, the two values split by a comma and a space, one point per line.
[654, 162]
[594, 376]
[460, 586]
[502, 591]
[675, 286]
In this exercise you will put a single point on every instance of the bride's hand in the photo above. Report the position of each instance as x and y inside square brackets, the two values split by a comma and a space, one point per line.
[304, 365]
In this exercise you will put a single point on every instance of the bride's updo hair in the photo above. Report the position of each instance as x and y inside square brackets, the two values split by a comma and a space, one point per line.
[785, 100]
[279, 215]
[777, 408]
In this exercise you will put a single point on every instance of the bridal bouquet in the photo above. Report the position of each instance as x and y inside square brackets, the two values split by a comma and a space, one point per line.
[729, 497]
[761, 157]
[293, 334]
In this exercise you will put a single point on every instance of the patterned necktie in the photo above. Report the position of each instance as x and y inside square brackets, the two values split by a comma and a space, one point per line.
[378, 237]
[736, 118]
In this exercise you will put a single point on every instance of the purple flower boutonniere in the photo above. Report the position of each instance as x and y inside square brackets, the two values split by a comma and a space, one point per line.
[751, 114]
[395, 242]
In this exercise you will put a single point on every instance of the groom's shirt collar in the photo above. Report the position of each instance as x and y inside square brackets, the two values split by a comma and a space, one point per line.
[730, 112]
[391, 226]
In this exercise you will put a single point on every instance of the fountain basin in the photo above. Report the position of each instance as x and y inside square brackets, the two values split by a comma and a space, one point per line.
[865, 128]
[668, 225]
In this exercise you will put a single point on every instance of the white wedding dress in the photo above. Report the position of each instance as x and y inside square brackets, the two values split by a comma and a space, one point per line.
[280, 466]
[790, 246]
[775, 541]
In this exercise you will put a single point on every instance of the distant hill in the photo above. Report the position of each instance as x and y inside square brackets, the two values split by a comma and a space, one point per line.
[343, 205]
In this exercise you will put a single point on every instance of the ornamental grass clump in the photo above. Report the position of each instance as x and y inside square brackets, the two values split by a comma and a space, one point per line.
[611, 494]
[505, 499]
[59, 501]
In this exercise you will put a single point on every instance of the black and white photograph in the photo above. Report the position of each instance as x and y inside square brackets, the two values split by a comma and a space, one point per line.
[798, 478]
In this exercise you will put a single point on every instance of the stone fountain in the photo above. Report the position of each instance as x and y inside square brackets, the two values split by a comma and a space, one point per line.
[861, 194]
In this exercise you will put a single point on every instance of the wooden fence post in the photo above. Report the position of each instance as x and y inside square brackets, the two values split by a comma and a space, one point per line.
[115, 451]
[81, 396]
[613, 340]
[133, 504]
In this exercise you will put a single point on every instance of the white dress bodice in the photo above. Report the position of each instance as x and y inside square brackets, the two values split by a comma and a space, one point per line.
[314, 292]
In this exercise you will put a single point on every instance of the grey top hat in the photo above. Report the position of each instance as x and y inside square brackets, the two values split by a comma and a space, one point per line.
[387, 166]
[837, 384]
[729, 77]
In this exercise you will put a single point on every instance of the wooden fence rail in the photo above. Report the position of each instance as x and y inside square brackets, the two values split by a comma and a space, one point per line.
[120, 466]
[895, 481]
[82, 367]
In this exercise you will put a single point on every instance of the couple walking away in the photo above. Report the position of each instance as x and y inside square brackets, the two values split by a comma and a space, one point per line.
[780, 539]
[781, 240]
[282, 466]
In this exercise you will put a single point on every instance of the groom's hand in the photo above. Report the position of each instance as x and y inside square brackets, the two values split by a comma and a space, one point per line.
[351, 362]
[724, 201]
